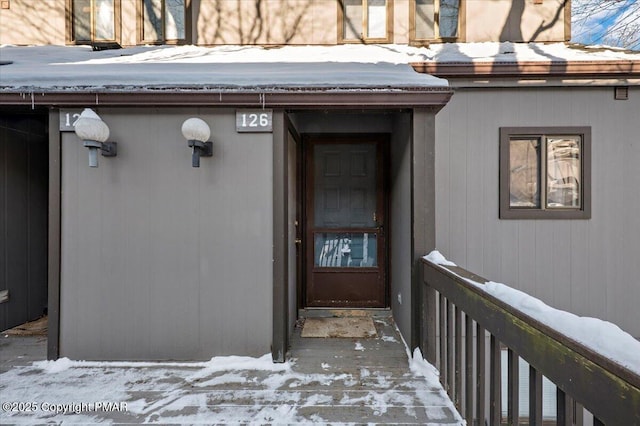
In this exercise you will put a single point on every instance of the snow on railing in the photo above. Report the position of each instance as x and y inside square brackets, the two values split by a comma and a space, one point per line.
[592, 363]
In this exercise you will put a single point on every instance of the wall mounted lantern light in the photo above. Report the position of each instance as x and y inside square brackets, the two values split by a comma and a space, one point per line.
[197, 133]
[94, 133]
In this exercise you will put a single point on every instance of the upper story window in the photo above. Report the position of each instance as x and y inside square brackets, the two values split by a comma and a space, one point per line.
[365, 21]
[162, 21]
[434, 20]
[94, 21]
[545, 173]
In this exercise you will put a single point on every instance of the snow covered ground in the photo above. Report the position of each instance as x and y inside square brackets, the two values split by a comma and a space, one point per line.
[342, 381]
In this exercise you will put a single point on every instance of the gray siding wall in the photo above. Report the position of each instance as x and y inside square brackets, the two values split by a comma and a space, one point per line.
[161, 260]
[400, 209]
[588, 267]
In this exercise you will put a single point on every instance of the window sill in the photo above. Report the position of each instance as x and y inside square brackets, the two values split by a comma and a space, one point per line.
[558, 214]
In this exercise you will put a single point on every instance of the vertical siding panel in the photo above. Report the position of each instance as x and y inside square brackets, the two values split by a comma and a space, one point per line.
[445, 119]
[136, 195]
[544, 260]
[68, 242]
[173, 234]
[459, 146]
[216, 201]
[489, 213]
[622, 197]
[589, 107]
[558, 290]
[526, 249]
[579, 244]
[92, 292]
[80, 209]
[400, 212]
[475, 202]
[625, 296]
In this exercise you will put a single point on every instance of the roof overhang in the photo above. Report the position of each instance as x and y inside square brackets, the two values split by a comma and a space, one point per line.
[361, 77]
[434, 98]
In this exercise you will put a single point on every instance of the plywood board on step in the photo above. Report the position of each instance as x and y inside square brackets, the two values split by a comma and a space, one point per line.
[361, 327]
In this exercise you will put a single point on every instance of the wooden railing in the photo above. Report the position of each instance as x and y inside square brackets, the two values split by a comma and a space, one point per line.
[468, 332]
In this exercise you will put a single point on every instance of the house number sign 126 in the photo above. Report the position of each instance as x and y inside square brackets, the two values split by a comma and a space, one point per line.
[258, 120]
[68, 118]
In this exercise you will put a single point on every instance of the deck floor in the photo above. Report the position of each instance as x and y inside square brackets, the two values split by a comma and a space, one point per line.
[327, 380]
[367, 380]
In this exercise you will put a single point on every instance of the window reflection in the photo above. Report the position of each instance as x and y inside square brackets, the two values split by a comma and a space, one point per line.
[345, 250]
[563, 172]
[105, 25]
[524, 161]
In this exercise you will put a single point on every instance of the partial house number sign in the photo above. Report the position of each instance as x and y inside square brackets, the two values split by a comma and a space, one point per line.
[254, 120]
[68, 118]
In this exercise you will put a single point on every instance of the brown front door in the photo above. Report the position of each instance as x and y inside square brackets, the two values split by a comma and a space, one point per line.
[345, 208]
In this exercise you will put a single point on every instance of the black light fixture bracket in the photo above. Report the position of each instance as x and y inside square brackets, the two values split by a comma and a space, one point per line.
[200, 149]
[108, 149]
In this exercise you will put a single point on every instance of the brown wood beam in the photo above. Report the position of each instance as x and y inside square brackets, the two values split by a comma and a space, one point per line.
[524, 69]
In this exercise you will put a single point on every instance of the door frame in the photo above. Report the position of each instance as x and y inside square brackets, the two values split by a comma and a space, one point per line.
[382, 162]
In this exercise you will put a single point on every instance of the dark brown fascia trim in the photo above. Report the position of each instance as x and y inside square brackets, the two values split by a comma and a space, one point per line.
[524, 69]
[363, 98]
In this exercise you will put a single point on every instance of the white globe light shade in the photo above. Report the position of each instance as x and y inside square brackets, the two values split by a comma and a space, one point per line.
[91, 127]
[196, 129]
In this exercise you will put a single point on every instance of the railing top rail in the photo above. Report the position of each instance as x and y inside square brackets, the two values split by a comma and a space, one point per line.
[461, 275]
[606, 388]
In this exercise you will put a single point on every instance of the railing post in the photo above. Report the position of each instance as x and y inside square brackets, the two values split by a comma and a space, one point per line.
[442, 322]
[578, 414]
[535, 396]
[458, 348]
[564, 409]
[513, 406]
[480, 374]
[495, 384]
[468, 368]
[450, 368]
[429, 336]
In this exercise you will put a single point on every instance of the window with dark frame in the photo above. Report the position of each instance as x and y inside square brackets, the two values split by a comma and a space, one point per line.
[93, 21]
[162, 21]
[368, 21]
[545, 173]
[434, 20]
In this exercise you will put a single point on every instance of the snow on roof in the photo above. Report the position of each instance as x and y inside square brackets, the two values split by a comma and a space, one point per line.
[527, 52]
[344, 67]
[216, 68]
